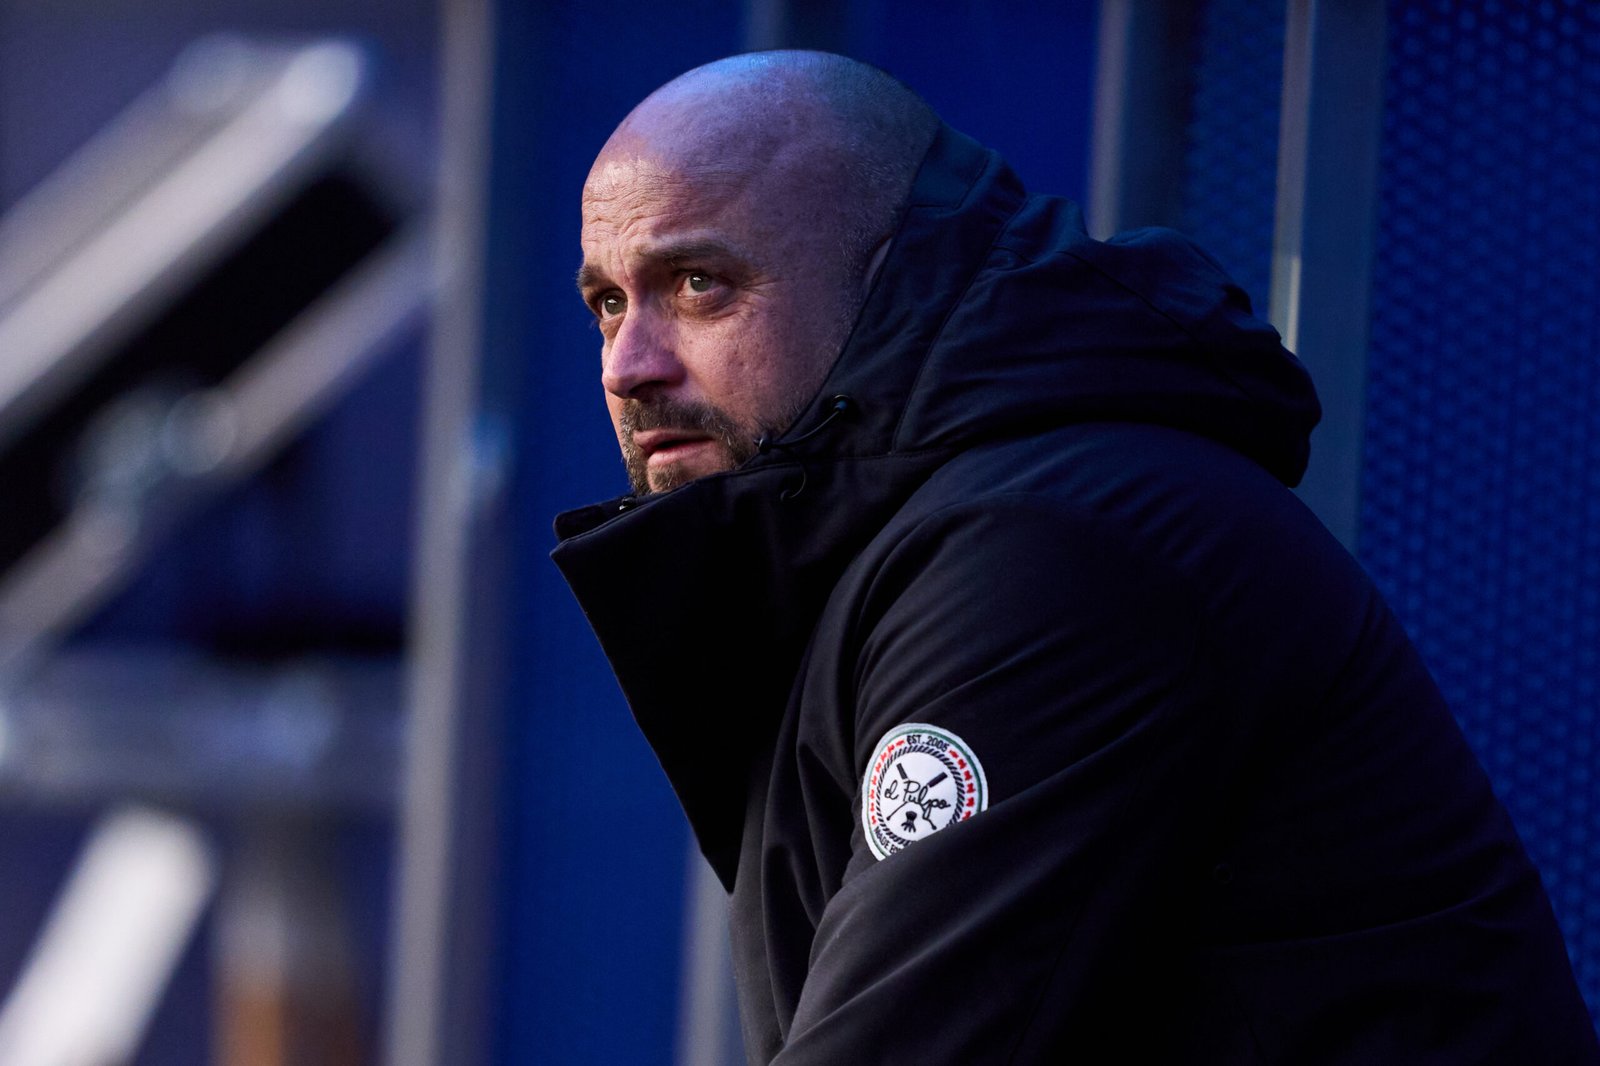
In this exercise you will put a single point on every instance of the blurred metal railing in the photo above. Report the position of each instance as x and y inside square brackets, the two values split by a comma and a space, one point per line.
[189, 293]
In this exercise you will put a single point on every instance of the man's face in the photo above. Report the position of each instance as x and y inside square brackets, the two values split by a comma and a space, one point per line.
[718, 288]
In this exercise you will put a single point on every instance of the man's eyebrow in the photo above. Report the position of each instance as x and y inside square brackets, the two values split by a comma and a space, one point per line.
[671, 253]
[588, 278]
[678, 251]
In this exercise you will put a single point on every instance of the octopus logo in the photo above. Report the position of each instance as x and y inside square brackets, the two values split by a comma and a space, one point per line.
[921, 779]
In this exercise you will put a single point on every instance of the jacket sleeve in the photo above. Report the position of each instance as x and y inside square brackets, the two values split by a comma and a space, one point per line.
[1075, 670]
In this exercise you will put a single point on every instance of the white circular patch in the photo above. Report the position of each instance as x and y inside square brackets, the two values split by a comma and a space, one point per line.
[921, 779]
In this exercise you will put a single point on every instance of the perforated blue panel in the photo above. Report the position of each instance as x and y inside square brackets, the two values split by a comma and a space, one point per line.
[1481, 482]
[1231, 147]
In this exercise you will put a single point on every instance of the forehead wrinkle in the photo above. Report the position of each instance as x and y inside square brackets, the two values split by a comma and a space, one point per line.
[676, 250]
[620, 177]
[639, 191]
[641, 222]
[641, 202]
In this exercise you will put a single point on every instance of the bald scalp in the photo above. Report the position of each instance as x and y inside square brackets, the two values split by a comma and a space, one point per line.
[847, 129]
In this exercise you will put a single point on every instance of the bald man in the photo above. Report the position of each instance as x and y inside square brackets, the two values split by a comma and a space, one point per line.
[1023, 711]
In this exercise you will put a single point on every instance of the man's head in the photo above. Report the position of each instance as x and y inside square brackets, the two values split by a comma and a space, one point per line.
[730, 227]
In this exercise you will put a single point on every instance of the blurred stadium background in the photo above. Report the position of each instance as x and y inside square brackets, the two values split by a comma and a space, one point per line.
[305, 754]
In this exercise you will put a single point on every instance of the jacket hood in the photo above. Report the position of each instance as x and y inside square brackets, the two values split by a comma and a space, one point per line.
[994, 316]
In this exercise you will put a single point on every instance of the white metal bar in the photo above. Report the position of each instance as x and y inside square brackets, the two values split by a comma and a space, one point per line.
[819, 24]
[434, 970]
[52, 332]
[1323, 238]
[1106, 143]
[708, 1009]
[1141, 100]
[110, 945]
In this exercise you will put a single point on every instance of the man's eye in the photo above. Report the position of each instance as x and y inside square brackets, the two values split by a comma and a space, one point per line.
[697, 282]
[612, 304]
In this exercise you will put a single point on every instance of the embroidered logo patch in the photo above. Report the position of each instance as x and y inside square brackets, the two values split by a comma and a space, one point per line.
[921, 779]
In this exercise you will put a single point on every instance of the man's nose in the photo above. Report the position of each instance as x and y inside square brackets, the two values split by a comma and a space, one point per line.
[642, 356]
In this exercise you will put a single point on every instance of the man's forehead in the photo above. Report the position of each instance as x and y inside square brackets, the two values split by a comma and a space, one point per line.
[710, 131]
[638, 212]
[644, 199]
[621, 176]
[616, 172]
[637, 190]
[691, 162]
[716, 118]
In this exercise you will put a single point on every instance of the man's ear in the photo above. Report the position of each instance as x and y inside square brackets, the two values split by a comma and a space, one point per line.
[878, 255]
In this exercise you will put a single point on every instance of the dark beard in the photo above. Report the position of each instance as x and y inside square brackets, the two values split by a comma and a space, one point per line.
[737, 442]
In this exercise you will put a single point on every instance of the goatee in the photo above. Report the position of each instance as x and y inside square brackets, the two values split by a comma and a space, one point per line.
[736, 441]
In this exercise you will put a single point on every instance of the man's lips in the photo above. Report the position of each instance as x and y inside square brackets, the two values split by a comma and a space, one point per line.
[652, 441]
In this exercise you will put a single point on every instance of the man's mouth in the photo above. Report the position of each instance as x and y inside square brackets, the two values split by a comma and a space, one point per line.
[667, 444]
[668, 441]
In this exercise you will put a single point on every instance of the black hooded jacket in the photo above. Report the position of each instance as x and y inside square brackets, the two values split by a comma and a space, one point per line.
[1039, 507]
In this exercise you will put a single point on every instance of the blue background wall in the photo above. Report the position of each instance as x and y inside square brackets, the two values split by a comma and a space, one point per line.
[1480, 498]
[1480, 513]
[1230, 157]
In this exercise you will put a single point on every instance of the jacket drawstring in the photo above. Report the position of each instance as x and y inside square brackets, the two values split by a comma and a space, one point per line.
[837, 407]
